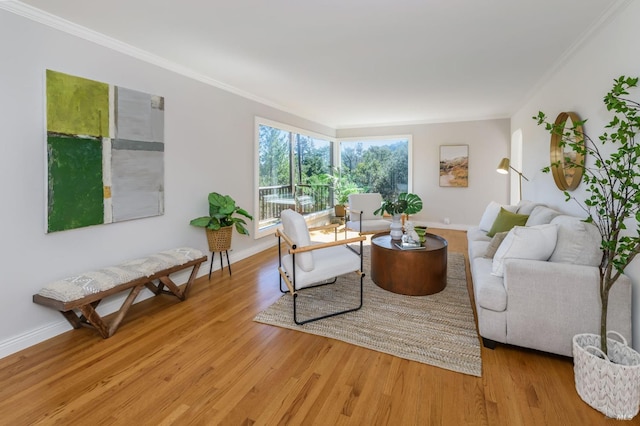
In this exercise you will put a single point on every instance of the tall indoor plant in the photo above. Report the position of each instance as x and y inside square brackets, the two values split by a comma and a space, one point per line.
[613, 199]
[607, 377]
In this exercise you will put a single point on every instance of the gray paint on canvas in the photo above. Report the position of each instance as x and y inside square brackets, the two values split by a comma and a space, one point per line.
[137, 188]
[139, 116]
[138, 145]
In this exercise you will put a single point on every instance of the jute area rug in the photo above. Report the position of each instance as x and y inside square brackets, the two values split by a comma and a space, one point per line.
[438, 329]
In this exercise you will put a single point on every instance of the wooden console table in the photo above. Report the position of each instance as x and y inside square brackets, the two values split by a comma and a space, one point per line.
[412, 272]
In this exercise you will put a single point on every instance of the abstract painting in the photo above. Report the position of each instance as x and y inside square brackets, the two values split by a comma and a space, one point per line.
[454, 165]
[105, 153]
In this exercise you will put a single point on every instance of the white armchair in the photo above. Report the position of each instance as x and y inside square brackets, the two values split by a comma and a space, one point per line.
[360, 217]
[306, 264]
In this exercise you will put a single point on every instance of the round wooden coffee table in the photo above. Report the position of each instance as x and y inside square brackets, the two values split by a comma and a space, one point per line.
[415, 272]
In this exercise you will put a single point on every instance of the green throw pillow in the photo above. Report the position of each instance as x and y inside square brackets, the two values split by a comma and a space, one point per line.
[507, 220]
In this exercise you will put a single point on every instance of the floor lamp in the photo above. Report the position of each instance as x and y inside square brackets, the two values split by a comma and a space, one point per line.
[504, 166]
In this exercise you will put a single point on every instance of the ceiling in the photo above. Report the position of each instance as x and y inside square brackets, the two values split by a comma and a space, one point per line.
[352, 63]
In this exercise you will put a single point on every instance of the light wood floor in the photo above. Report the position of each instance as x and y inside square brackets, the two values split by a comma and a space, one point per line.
[204, 361]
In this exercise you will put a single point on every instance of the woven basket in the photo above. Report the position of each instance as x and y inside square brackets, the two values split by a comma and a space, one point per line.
[220, 239]
[610, 384]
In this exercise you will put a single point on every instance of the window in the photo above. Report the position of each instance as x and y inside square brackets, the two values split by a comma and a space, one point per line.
[377, 164]
[293, 171]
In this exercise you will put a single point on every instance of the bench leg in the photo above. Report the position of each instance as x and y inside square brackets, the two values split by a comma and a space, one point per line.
[173, 288]
[107, 329]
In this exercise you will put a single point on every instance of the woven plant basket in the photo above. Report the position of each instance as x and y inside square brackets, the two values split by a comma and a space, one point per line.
[610, 384]
[220, 239]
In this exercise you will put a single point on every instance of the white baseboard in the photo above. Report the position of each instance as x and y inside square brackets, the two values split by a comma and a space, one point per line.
[54, 328]
[440, 225]
[23, 341]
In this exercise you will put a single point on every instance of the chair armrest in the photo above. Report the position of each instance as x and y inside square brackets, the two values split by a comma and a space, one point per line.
[320, 228]
[349, 211]
[318, 246]
[280, 234]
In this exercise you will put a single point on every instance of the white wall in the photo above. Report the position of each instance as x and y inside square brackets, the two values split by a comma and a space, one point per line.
[209, 137]
[580, 85]
[488, 142]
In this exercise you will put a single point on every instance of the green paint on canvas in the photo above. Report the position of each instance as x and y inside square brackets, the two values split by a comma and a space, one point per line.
[77, 106]
[75, 183]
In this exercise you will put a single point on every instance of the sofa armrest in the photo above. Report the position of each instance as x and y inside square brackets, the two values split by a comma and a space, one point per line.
[548, 303]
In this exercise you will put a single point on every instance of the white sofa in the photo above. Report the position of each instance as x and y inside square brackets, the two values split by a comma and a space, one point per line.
[549, 290]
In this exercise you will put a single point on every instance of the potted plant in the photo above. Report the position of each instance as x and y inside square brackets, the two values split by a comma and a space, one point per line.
[342, 186]
[405, 203]
[222, 219]
[612, 204]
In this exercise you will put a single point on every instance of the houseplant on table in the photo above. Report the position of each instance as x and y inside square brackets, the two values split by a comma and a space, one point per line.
[612, 205]
[405, 203]
[223, 217]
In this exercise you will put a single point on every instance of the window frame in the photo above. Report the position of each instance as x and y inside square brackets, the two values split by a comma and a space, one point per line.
[261, 121]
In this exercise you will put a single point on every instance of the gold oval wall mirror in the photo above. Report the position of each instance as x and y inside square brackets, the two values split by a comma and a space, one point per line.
[567, 178]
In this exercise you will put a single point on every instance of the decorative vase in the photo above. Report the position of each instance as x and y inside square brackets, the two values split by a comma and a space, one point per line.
[607, 383]
[396, 227]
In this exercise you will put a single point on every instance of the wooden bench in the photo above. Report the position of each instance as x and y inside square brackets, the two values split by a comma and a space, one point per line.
[84, 292]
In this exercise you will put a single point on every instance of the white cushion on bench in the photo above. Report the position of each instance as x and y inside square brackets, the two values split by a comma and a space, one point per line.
[91, 282]
[163, 260]
[79, 286]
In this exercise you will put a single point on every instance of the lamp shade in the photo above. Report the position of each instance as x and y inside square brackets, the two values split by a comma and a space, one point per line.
[503, 166]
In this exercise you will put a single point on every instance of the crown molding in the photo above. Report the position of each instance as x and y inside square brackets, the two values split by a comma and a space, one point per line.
[53, 21]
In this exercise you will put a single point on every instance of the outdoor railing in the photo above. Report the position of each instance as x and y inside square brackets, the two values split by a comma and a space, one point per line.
[304, 199]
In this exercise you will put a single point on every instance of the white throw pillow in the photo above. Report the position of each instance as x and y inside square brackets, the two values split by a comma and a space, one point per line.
[578, 242]
[525, 242]
[542, 215]
[296, 228]
[491, 213]
[526, 206]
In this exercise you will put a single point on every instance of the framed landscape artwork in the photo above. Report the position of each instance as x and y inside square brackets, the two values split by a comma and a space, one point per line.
[105, 153]
[454, 165]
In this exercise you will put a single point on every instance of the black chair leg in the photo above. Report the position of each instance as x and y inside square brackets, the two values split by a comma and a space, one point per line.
[211, 265]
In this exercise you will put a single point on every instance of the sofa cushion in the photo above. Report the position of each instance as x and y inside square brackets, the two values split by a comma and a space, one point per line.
[578, 242]
[488, 289]
[491, 213]
[494, 244]
[477, 248]
[526, 207]
[541, 215]
[525, 242]
[474, 233]
[296, 228]
[505, 221]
